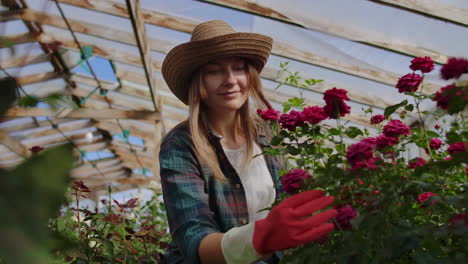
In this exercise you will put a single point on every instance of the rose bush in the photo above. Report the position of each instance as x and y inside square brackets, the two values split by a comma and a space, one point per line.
[128, 232]
[395, 206]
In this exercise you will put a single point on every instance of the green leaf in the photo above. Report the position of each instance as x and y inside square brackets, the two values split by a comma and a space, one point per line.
[276, 140]
[409, 107]
[391, 109]
[28, 101]
[334, 132]
[30, 194]
[353, 132]
[293, 150]
[271, 151]
[432, 134]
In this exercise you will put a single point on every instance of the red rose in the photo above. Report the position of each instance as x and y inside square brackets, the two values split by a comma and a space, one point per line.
[442, 98]
[313, 114]
[383, 141]
[458, 147]
[377, 119]
[416, 163]
[291, 121]
[422, 198]
[270, 114]
[409, 83]
[344, 217]
[459, 218]
[366, 164]
[361, 151]
[36, 149]
[454, 68]
[337, 108]
[424, 64]
[334, 94]
[435, 143]
[335, 105]
[292, 181]
[370, 140]
[395, 128]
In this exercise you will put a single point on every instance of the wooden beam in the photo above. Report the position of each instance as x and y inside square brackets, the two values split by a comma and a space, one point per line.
[115, 98]
[83, 113]
[95, 173]
[94, 146]
[126, 149]
[138, 23]
[14, 145]
[48, 130]
[280, 49]
[26, 123]
[437, 9]
[39, 77]
[151, 17]
[129, 88]
[113, 128]
[186, 25]
[7, 41]
[24, 61]
[254, 7]
[10, 15]
[100, 164]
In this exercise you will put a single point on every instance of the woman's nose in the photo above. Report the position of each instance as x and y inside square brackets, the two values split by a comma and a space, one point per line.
[230, 76]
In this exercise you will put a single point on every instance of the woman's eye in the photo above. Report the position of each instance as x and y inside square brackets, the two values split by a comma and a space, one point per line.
[213, 71]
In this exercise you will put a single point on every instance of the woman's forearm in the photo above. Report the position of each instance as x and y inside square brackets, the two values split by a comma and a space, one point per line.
[210, 250]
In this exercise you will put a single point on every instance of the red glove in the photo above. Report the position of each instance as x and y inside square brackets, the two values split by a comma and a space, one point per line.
[291, 223]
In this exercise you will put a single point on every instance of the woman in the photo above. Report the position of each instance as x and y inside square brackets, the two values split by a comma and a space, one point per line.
[213, 183]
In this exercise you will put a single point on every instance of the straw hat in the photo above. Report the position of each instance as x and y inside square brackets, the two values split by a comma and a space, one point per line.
[210, 41]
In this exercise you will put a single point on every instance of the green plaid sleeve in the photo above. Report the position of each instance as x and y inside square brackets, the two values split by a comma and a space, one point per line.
[185, 197]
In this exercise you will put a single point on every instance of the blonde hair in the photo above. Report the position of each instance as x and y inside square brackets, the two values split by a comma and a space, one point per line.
[247, 121]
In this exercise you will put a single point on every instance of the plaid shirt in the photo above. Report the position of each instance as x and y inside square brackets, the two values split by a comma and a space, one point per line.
[196, 203]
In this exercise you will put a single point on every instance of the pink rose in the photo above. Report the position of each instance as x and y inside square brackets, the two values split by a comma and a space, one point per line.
[313, 114]
[416, 163]
[422, 198]
[454, 68]
[395, 128]
[361, 151]
[383, 141]
[461, 218]
[269, 114]
[377, 119]
[335, 105]
[424, 64]
[435, 143]
[442, 98]
[344, 217]
[409, 83]
[291, 121]
[292, 181]
[458, 147]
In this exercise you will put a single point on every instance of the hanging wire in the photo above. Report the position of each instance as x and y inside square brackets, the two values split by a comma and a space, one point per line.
[55, 126]
[102, 90]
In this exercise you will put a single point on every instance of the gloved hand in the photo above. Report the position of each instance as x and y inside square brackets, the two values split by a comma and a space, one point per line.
[292, 223]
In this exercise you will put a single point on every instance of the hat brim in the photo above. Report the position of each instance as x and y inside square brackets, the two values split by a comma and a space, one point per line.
[183, 60]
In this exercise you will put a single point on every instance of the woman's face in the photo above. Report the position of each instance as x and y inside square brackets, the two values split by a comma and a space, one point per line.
[226, 84]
